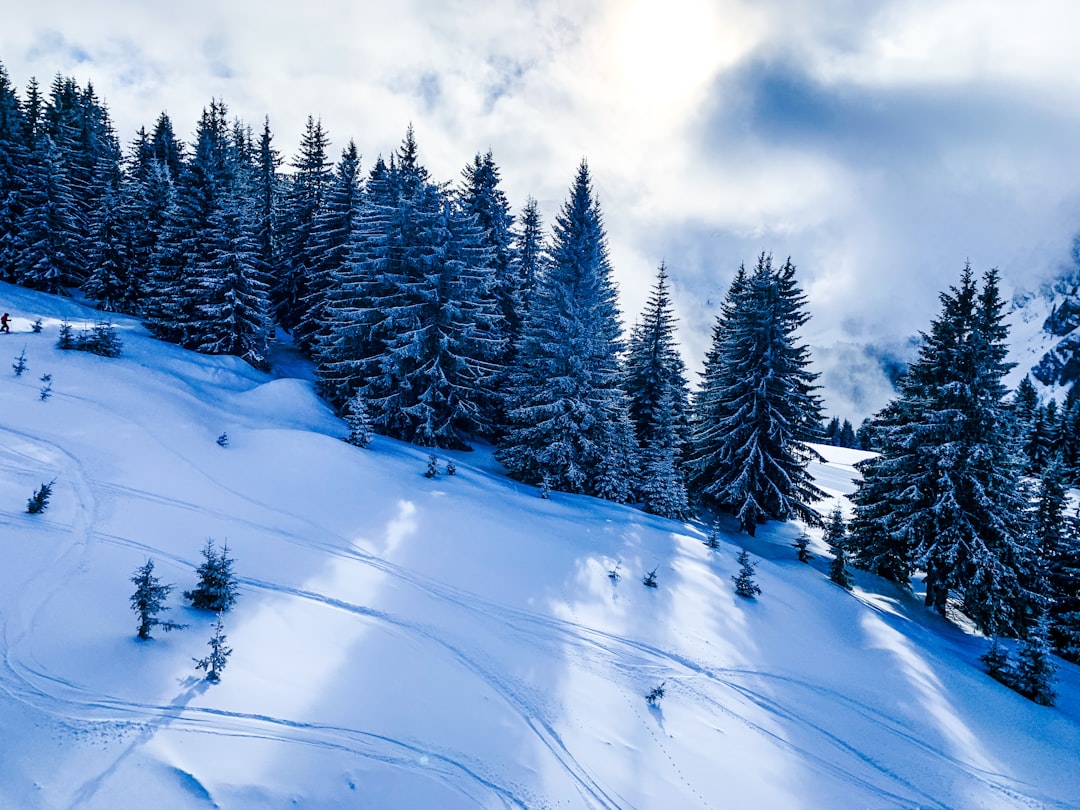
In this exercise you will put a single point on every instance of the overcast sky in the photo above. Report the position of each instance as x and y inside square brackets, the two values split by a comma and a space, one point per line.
[879, 144]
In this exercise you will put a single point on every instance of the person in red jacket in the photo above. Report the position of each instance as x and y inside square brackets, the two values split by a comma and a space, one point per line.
[4, 324]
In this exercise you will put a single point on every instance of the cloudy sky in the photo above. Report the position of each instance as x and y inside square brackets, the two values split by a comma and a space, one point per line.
[879, 144]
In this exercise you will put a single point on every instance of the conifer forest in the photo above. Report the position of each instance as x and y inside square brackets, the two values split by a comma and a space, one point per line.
[437, 315]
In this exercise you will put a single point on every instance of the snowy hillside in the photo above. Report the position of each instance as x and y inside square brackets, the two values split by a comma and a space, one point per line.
[402, 642]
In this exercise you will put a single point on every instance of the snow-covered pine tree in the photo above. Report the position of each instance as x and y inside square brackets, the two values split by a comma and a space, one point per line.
[413, 322]
[149, 600]
[712, 539]
[217, 588]
[655, 381]
[835, 536]
[177, 282]
[802, 546]
[302, 199]
[39, 501]
[265, 195]
[997, 663]
[330, 237]
[48, 251]
[1058, 543]
[20, 365]
[744, 581]
[751, 451]
[168, 151]
[529, 253]
[1035, 668]
[214, 663]
[945, 495]
[481, 198]
[568, 414]
[832, 432]
[110, 284]
[846, 437]
[356, 327]
[356, 417]
[233, 312]
[13, 160]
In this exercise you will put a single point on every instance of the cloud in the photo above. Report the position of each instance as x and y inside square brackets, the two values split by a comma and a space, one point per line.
[879, 144]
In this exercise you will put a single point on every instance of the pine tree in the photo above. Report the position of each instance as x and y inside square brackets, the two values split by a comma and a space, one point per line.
[1058, 544]
[13, 166]
[997, 663]
[712, 540]
[836, 537]
[39, 501]
[232, 315]
[149, 600]
[330, 238]
[217, 589]
[744, 581]
[760, 409]
[568, 414]
[183, 275]
[655, 381]
[356, 417]
[832, 432]
[20, 365]
[1035, 667]
[846, 437]
[802, 544]
[48, 247]
[302, 200]
[214, 663]
[945, 495]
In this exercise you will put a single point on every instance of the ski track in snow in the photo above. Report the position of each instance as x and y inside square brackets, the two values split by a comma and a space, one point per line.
[24, 679]
[591, 644]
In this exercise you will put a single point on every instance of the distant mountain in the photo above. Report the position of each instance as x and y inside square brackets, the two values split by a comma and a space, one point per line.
[1046, 330]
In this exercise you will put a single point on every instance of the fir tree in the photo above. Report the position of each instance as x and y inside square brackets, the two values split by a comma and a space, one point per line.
[217, 589]
[802, 544]
[760, 409]
[356, 417]
[214, 663]
[568, 414]
[413, 323]
[20, 364]
[13, 162]
[649, 580]
[846, 437]
[529, 253]
[712, 539]
[1058, 544]
[149, 600]
[744, 581]
[997, 663]
[655, 381]
[432, 466]
[39, 501]
[330, 238]
[656, 694]
[49, 236]
[303, 198]
[1035, 667]
[945, 495]
[836, 537]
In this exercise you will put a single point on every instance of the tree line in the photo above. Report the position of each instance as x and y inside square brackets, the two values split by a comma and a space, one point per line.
[432, 313]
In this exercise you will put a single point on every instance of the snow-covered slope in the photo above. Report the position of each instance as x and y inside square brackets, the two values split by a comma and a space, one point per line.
[402, 642]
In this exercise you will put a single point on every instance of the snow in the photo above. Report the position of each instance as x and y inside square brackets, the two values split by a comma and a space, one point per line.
[451, 643]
